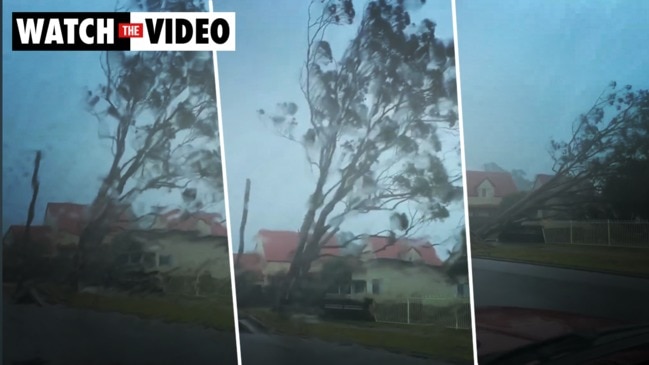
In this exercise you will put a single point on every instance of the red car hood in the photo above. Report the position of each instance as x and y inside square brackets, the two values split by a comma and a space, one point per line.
[502, 329]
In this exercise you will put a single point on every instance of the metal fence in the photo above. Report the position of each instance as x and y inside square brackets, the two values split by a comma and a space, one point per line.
[599, 233]
[452, 312]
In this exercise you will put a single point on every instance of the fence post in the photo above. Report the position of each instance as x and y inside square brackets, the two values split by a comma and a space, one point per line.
[408, 310]
[608, 227]
[570, 231]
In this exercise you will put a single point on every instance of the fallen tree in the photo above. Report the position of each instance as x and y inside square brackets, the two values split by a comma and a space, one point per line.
[613, 131]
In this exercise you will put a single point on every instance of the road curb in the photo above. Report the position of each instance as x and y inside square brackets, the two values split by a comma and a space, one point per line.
[566, 267]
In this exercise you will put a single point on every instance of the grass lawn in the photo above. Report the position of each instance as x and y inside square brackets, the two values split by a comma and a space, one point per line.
[209, 312]
[439, 343]
[204, 312]
[634, 261]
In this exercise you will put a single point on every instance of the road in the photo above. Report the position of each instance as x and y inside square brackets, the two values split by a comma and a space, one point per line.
[72, 336]
[499, 283]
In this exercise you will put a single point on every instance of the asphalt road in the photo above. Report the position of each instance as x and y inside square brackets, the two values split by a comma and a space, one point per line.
[71, 336]
[259, 349]
[499, 283]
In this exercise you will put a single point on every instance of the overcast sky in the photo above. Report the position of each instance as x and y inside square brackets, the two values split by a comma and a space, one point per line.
[529, 68]
[264, 70]
[43, 110]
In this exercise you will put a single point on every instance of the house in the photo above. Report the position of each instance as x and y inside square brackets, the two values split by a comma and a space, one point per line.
[202, 222]
[178, 243]
[408, 250]
[383, 270]
[277, 248]
[68, 220]
[252, 263]
[486, 190]
[40, 236]
[174, 252]
[393, 271]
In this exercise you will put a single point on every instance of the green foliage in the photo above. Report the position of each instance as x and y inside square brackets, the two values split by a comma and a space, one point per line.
[612, 130]
[626, 191]
[375, 112]
[599, 164]
[158, 111]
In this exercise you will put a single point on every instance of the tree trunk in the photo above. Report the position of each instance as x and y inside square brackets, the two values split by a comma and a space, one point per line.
[242, 228]
[28, 254]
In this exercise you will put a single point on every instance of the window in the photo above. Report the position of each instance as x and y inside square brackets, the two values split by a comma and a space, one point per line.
[376, 286]
[359, 286]
[164, 260]
[483, 192]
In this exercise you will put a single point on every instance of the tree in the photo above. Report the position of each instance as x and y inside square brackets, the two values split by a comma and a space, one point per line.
[613, 132]
[158, 110]
[242, 228]
[27, 249]
[374, 118]
[626, 191]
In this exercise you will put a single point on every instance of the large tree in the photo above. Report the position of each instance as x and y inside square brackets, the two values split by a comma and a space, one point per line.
[604, 141]
[374, 117]
[158, 110]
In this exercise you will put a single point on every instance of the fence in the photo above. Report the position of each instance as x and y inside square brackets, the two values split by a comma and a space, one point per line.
[601, 233]
[446, 312]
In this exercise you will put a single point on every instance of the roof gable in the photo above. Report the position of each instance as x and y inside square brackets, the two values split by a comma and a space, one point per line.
[502, 182]
[381, 248]
[185, 221]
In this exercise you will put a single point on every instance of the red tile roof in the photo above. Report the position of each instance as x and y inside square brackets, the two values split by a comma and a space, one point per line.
[502, 181]
[280, 246]
[68, 217]
[72, 218]
[396, 251]
[176, 220]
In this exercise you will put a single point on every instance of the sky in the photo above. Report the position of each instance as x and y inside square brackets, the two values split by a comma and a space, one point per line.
[43, 110]
[264, 70]
[529, 68]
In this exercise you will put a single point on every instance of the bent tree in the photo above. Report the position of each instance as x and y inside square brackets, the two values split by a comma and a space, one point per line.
[605, 140]
[158, 111]
[374, 115]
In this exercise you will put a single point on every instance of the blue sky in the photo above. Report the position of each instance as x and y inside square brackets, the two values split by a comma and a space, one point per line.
[528, 68]
[264, 70]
